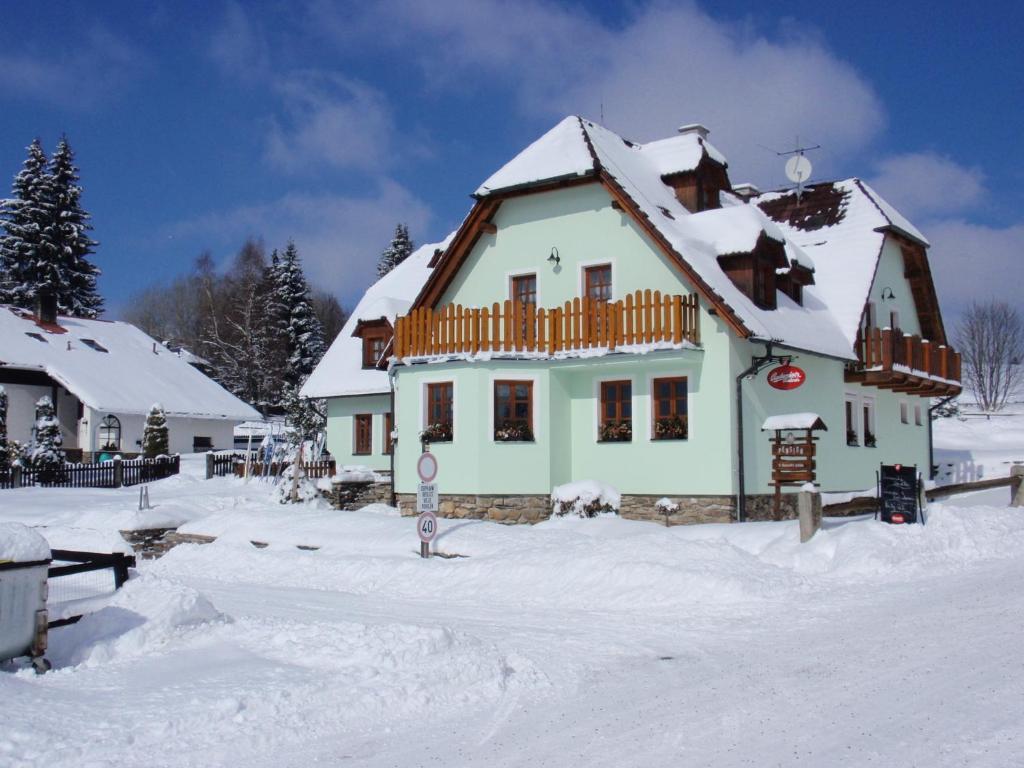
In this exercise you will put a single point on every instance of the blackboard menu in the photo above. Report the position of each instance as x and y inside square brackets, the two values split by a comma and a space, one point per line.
[897, 493]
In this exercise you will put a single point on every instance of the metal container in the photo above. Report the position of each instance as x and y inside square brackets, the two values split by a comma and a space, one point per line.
[23, 616]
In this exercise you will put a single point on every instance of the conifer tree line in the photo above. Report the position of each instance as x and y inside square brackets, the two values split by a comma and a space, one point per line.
[258, 325]
[398, 250]
[44, 236]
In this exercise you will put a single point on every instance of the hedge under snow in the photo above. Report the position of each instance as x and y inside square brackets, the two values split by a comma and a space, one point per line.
[585, 498]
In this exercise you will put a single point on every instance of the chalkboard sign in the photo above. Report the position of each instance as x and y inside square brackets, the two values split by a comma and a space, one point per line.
[898, 497]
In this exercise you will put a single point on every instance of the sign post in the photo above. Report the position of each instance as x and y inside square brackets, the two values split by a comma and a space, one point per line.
[426, 501]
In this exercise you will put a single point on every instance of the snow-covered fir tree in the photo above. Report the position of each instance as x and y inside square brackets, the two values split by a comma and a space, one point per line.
[306, 417]
[28, 250]
[76, 295]
[47, 451]
[5, 450]
[304, 336]
[154, 433]
[396, 252]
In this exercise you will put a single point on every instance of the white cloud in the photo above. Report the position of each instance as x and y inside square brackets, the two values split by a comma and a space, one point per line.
[333, 122]
[926, 184]
[668, 64]
[339, 237]
[973, 262]
[239, 46]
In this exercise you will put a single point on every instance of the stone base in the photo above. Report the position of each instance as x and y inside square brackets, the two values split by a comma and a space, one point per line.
[534, 508]
[356, 495]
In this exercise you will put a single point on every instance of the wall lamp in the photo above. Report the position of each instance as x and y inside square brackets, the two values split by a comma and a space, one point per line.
[554, 258]
[887, 294]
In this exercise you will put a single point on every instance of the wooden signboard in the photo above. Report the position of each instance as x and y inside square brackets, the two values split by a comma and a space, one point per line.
[792, 461]
[899, 497]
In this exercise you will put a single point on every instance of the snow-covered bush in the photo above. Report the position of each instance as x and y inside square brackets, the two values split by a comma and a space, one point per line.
[666, 506]
[154, 434]
[47, 453]
[305, 489]
[585, 498]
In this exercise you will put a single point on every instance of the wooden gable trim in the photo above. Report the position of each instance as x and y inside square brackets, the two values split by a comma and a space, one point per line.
[380, 326]
[918, 273]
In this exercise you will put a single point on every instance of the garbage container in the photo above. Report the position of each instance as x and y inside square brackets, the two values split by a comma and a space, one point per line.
[24, 562]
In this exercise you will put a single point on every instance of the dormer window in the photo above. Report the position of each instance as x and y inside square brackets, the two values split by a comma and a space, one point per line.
[764, 284]
[376, 335]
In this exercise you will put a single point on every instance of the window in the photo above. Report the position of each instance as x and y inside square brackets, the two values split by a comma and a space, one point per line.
[513, 411]
[867, 409]
[389, 427]
[597, 282]
[764, 284]
[439, 412]
[852, 436]
[524, 289]
[93, 344]
[36, 336]
[109, 433]
[894, 319]
[669, 409]
[616, 422]
[904, 413]
[363, 427]
[374, 344]
[918, 420]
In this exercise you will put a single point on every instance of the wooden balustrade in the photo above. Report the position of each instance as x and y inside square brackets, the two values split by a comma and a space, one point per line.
[891, 357]
[644, 317]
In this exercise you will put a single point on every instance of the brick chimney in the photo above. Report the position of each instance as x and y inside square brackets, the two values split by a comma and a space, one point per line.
[46, 306]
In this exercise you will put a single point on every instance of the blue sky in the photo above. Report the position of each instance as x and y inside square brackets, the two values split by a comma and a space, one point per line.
[197, 124]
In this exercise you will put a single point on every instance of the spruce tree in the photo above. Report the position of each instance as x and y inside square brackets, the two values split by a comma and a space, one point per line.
[5, 450]
[28, 250]
[396, 252]
[304, 336]
[154, 433]
[77, 295]
[47, 454]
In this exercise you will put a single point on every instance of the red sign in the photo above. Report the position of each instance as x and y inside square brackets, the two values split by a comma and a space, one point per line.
[898, 518]
[786, 377]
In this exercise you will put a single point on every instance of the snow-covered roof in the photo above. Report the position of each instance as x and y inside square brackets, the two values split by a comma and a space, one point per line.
[841, 225]
[114, 367]
[559, 153]
[793, 421]
[341, 371]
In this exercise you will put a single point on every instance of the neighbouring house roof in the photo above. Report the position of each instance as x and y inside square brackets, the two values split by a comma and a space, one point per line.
[114, 367]
[340, 372]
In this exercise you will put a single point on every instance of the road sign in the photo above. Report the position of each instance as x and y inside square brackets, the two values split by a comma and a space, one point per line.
[426, 467]
[426, 527]
[426, 497]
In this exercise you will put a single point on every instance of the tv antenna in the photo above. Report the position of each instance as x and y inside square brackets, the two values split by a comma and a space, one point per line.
[798, 167]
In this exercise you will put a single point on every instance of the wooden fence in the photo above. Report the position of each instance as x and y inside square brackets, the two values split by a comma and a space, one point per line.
[233, 463]
[884, 348]
[84, 562]
[110, 474]
[865, 504]
[645, 317]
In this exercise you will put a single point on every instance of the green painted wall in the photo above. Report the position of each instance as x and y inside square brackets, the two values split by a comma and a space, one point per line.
[890, 275]
[340, 435]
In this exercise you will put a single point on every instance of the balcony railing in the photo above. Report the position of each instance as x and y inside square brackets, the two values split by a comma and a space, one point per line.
[643, 318]
[908, 363]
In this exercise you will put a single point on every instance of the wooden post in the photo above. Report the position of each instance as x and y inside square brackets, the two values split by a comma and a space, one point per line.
[1017, 488]
[808, 504]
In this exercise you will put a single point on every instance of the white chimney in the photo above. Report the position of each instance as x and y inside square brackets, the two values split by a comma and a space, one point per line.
[696, 128]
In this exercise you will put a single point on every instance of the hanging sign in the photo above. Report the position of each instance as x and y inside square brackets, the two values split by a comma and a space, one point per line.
[786, 377]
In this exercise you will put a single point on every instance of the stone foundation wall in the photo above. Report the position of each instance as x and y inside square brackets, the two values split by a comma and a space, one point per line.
[356, 495]
[534, 508]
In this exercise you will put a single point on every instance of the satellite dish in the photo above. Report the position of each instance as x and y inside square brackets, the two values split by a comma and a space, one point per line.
[798, 169]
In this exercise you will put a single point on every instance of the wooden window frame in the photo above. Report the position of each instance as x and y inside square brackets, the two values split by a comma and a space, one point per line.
[389, 426]
[359, 432]
[619, 427]
[439, 430]
[500, 425]
[592, 269]
[371, 335]
[513, 287]
[655, 411]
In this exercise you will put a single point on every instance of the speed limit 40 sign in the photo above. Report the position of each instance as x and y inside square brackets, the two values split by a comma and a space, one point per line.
[426, 527]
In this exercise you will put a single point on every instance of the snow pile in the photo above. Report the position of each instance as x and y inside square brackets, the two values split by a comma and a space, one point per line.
[21, 544]
[143, 617]
[791, 421]
[355, 474]
[584, 498]
[305, 490]
[666, 506]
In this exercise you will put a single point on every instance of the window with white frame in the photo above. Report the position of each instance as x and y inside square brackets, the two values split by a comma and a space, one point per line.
[852, 431]
[867, 421]
[918, 416]
[904, 412]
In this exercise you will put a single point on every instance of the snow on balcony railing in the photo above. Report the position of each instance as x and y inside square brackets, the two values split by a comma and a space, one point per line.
[886, 349]
[643, 318]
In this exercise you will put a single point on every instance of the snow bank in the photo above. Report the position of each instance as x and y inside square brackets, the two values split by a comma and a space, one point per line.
[584, 498]
[21, 544]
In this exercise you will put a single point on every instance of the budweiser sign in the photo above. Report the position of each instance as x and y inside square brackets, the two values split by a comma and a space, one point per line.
[786, 377]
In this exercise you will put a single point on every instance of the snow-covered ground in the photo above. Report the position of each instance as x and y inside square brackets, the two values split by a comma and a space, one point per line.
[602, 642]
[975, 445]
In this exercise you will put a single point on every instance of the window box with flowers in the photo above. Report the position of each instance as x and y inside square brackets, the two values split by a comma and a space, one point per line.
[851, 438]
[615, 432]
[869, 440]
[670, 428]
[437, 433]
[513, 432]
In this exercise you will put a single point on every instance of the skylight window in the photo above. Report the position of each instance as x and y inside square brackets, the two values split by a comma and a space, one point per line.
[93, 344]
[36, 336]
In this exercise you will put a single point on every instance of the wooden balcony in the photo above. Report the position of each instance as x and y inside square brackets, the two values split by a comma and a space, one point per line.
[642, 319]
[891, 359]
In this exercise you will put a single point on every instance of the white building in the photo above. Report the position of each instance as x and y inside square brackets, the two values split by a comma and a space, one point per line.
[103, 377]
